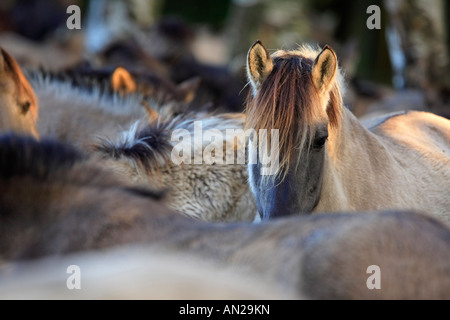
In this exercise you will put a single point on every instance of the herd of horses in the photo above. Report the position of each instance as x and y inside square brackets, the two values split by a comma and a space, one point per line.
[87, 178]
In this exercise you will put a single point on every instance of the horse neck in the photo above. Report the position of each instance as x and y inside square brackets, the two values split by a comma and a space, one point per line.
[349, 138]
[355, 155]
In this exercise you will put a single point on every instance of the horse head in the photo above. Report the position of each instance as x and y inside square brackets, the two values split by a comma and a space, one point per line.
[295, 93]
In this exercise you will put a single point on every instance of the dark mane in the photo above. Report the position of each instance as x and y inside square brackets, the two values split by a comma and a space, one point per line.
[148, 146]
[24, 156]
[288, 101]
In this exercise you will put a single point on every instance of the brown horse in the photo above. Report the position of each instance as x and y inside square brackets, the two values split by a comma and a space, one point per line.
[54, 200]
[328, 160]
[18, 104]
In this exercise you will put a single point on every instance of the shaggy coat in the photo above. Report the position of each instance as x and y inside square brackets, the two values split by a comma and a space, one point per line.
[63, 204]
[211, 189]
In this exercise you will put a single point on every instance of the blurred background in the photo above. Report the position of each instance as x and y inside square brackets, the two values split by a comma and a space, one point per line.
[402, 65]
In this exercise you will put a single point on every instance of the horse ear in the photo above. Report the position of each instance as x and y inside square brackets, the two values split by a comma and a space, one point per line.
[122, 81]
[324, 69]
[188, 89]
[153, 115]
[5, 61]
[2, 61]
[259, 64]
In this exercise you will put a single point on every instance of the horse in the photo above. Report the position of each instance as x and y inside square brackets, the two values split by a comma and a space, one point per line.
[121, 80]
[208, 182]
[93, 119]
[55, 202]
[144, 275]
[327, 159]
[18, 103]
[78, 112]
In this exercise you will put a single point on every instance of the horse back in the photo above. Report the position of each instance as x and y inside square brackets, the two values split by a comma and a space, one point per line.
[423, 131]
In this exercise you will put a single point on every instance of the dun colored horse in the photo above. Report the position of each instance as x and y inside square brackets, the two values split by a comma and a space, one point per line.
[120, 80]
[330, 161]
[78, 115]
[18, 104]
[144, 274]
[79, 107]
[55, 201]
[201, 183]
[91, 117]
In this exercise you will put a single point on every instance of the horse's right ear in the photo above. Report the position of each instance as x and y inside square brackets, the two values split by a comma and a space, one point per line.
[259, 64]
[324, 69]
[122, 81]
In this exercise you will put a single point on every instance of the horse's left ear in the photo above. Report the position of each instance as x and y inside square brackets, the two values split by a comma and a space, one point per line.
[324, 69]
[122, 81]
[259, 64]
[2, 61]
[7, 63]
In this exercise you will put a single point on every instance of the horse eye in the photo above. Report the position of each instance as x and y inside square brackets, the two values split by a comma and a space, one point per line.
[319, 143]
[25, 107]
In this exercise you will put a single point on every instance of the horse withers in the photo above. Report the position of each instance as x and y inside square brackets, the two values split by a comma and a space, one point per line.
[328, 160]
